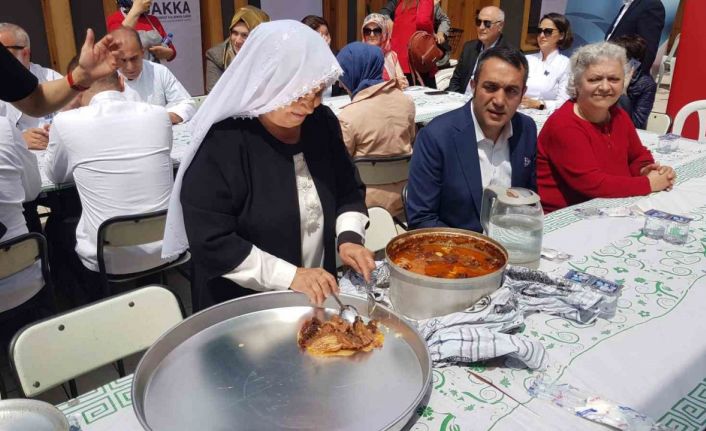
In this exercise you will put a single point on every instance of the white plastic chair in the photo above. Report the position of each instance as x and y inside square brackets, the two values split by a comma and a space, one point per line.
[698, 106]
[383, 170]
[380, 230]
[658, 123]
[46, 354]
[668, 62]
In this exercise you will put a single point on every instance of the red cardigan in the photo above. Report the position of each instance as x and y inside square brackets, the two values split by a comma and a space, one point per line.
[144, 23]
[578, 161]
[407, 21]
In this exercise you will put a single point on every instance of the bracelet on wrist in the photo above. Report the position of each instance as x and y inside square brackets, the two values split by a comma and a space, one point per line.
[74, 86]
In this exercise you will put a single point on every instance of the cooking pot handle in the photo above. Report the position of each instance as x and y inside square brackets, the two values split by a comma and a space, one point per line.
[490, 193]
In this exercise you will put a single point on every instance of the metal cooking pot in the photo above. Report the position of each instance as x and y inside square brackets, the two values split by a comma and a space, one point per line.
[420, 296]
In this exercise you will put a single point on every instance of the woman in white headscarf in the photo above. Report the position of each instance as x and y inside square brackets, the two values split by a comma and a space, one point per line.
[267, 192]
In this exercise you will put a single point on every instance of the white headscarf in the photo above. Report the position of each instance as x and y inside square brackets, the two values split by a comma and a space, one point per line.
[280, 62]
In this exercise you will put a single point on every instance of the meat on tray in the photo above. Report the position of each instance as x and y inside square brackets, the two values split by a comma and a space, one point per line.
[337, 337]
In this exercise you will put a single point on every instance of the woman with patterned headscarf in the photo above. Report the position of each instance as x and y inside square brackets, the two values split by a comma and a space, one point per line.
[220, 56]
[266, 195]
[376, 31]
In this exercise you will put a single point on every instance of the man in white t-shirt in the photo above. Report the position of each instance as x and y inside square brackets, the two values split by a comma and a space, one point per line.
[34, 130]
[151, 82]
[19, 182]
[117, 152]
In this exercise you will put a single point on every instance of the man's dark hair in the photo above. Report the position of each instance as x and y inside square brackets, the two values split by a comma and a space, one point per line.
[564, 26]
[507, 54]
[314, 22]
[635, 46]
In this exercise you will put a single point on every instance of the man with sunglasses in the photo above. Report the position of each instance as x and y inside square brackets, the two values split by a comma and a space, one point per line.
[34, 130]
[489, 23]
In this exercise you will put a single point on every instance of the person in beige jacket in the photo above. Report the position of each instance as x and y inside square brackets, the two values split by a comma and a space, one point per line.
[379, 122]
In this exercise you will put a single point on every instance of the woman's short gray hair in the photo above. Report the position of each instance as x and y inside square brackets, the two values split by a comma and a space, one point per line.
[589, 55]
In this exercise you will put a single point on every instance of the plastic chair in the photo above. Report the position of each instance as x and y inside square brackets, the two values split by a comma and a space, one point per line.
[658, 123]
[48, 353]
[380, 230]
[133, 230]
[383, 170]
[668, 62]
[18, 254]
[699, 107]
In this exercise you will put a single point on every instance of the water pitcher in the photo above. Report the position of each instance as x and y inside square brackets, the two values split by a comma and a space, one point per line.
[514, 218]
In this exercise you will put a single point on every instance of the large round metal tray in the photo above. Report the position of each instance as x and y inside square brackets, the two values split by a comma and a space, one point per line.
[237, 366]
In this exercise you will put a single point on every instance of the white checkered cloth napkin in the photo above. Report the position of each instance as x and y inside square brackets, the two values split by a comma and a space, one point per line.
[482, 332]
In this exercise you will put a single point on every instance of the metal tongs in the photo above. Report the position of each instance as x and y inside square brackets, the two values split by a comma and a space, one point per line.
[347, 312]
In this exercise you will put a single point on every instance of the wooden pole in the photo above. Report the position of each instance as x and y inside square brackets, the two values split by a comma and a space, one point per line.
[109, 7]
[60, 32]
[211, 23]
[239, 3]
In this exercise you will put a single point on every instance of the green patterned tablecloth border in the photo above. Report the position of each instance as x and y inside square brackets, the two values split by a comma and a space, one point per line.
[102, 402]
[567, 216]
[689, 413]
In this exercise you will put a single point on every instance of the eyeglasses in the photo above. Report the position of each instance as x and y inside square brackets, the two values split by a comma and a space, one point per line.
[546, 31]
[15, 47]
[486, 22]
[368, 31]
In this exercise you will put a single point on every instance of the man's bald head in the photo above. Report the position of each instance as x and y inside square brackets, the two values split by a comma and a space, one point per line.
[131, 52]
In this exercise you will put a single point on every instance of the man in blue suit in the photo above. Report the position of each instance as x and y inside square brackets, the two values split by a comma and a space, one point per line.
[484, 142]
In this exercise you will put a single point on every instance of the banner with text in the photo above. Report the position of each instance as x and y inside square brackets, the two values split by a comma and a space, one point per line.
[182, 18]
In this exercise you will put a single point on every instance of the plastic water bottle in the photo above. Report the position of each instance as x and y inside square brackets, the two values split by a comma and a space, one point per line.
[167, 39]
[74, 423]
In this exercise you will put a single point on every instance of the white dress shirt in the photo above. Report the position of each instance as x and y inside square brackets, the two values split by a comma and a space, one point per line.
[494, 157]
[157, 85]
[19, 182]
[263, 271]
[24, 121]
[626, 6]
[117, 152]
[548, 79]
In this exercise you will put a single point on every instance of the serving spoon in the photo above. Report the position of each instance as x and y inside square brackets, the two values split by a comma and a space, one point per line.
[347, 312]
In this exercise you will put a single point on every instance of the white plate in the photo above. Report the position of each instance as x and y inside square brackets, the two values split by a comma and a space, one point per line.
[31, 415]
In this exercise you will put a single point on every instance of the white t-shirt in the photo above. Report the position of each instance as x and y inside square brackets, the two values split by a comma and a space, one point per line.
[117, 152]
[24, 121]
[19, 182]
[157, 85]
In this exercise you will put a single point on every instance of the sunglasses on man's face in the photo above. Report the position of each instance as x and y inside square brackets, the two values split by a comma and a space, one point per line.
[546, 31]
[486, 22]
[368, 31]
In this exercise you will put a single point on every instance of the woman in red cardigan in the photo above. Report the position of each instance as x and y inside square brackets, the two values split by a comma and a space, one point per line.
[410, 16]
[589, 147]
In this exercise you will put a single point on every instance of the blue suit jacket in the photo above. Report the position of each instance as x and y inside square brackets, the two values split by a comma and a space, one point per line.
[445, 187]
